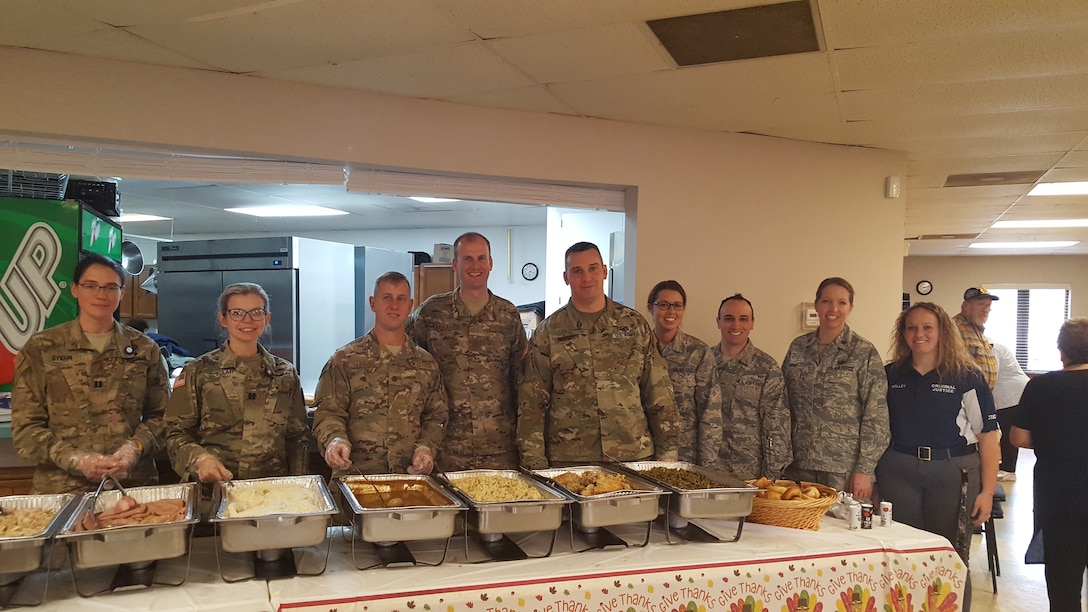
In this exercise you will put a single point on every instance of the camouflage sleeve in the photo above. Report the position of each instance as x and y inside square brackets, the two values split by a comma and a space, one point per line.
[416, 329]
[432, 421]
[152, 428]
[534, 397]
[873, 397]
[297, 436]
[183, 423]
[519, 345]
[31, 435]
[659, 402]
[331, 400]
[708, 406]
[774, 415]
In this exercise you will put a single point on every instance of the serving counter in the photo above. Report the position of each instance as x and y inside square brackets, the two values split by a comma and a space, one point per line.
[770, 568]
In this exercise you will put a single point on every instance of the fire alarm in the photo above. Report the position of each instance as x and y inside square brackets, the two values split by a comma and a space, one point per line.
[891, 187]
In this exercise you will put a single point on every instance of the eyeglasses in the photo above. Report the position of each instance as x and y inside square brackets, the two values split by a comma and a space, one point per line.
[663, 305]
[237, 314]
[109, 289]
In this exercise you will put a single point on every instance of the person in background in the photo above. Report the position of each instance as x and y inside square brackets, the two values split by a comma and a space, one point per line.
[478, 340]
[1010, 384]
[837, 394]
[971, 322]
[1053, 420]
[237, 411]
[693, 373]
[172, 347]
[593, 386]
[380, 407]
[88, 396]
[755, 418]
[943, 424]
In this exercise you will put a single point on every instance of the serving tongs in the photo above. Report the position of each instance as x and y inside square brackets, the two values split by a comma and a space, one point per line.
[93, 506]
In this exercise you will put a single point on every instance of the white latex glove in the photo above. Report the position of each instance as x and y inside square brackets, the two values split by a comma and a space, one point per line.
[208, 468]
[338, 454]
[422, 461]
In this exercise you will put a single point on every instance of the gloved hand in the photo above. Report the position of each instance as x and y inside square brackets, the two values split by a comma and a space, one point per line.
[125, 458]
[422, 461]
[93, 466]
[208, 468]
[338, 454]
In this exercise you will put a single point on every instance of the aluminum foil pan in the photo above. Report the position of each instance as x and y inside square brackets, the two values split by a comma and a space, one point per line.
[20, 554]
[275, 529]
[636, 505]
[733, 499]
[514, 516]
[400, 507]
[130, 543]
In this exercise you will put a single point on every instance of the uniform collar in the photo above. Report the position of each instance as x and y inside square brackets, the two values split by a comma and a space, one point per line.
[119, 340]
[229, 359]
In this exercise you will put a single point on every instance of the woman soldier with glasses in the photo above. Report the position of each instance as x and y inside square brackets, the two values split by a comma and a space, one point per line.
[237, 411]
[88, 395]
[694, 374]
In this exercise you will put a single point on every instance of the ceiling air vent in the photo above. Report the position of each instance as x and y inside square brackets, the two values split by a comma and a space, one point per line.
[725, 36]
[37, 185]
[985, 179]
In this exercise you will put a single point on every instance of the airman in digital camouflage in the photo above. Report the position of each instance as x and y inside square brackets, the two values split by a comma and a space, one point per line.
[755, 417]
[693, 373]
[237, 411]
[478, 340]
[594, 387]
[380, 407]
[88, 395]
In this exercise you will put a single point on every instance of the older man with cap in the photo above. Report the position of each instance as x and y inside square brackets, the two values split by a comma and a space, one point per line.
[971, 321]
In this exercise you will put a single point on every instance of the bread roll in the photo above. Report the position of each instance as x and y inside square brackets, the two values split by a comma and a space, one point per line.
[771, 494]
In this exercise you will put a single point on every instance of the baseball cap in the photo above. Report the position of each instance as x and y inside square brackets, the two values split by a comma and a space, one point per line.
[979, 292]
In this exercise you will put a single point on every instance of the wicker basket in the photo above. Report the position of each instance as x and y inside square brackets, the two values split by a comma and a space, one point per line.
[794, 513]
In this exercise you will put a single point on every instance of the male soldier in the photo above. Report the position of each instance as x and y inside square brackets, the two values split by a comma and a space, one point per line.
[594, 387]
[380, 405]
[971, 321]
[755, 417]
[478, 340]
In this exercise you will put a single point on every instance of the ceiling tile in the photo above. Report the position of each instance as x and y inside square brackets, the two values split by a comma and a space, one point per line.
[122, 13]
[978, 147]
[891, 132]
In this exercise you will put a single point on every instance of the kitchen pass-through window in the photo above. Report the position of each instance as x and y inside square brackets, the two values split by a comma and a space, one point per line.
[1027, 320]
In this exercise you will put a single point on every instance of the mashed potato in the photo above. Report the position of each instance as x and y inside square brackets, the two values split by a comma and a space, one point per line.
[265, 499]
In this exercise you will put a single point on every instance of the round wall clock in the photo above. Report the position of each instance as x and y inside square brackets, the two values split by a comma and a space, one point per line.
[529, 271]
[924, 287]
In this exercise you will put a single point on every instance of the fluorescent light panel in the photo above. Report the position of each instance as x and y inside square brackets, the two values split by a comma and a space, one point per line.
[287, 211]
[1055, 244]
[429, 200]
[1040, 223]
[1059, 189]
[137, 217]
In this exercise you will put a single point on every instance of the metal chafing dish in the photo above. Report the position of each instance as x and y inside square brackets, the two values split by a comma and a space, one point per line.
[400, 507]
[616, 508]
[273, 530]
[514, 516]
[24, 553]
[129, 543]
[731, 500]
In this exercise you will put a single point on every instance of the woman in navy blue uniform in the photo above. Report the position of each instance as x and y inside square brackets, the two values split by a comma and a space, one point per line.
[943, 424]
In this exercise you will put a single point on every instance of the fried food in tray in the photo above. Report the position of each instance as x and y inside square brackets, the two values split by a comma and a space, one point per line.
[592, 482]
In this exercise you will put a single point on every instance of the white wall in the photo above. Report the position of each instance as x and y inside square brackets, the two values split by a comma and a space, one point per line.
[718, 212]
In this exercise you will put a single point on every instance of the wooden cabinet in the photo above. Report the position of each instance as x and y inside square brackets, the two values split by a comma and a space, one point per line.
[138, 303]
[16, 480]
[431, 279]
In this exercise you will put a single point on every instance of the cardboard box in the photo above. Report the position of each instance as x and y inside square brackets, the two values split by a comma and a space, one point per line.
[443, 253]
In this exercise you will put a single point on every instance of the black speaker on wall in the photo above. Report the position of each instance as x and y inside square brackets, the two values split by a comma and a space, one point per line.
[99, 195]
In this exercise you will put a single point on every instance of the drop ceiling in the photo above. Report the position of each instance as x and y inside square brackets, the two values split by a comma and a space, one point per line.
[993, 89]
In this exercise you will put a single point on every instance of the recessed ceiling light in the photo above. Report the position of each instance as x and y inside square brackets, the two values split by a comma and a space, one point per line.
[428, 200]
[287, 211]
[1055, 244]
[1057, 189]
[1041, 223]
[136, 217]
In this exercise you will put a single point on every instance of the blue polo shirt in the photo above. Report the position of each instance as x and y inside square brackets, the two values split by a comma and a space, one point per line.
[924, 410]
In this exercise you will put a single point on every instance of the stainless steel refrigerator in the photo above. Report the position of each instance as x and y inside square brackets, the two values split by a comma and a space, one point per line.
[310, 285]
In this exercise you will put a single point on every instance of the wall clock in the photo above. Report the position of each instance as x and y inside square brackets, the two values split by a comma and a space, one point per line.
[529, 271]
[924, 287]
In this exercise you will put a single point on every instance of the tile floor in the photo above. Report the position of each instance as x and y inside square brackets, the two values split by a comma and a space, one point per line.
[1019, 587]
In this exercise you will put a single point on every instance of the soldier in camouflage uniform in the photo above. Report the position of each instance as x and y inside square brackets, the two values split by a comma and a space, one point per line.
[693, 373]
[380, 404]
[237, 411]
[88, 395]
[837, 390]
[594, 387]
[478, 340]
[754, 413]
